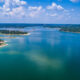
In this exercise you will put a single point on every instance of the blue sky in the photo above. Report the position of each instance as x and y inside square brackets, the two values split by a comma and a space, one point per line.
[40, 11]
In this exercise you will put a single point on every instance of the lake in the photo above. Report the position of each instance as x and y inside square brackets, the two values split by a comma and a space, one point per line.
[46, 54]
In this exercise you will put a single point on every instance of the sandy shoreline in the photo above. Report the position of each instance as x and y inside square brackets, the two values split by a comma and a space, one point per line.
[1, 42]
[14, 34]
[3, 45]
[14, 37]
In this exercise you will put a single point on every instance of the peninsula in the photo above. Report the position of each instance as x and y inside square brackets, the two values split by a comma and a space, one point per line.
[13, 32]
[2, 43]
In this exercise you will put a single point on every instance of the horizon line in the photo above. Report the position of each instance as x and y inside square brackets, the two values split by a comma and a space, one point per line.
[45, 23]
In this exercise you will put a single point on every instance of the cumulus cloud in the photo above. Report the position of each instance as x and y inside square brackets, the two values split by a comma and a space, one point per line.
[35, 8]
[16, 8]
[55, 10]
[35, 11]
[14, 2]
[17, 12]
[13, 7]
[19, 9]
[54, 6]
[52, 15]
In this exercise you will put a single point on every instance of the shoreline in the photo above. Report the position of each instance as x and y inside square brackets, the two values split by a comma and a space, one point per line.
[15, 37]
[1, 42]
[14, 34]
[3, 45]
[70, 32]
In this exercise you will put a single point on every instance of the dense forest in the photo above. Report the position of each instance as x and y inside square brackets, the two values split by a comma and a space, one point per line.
[12, 32]
[66, 27]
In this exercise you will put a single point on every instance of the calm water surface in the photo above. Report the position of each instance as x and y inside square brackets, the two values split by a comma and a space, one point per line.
[46, 54]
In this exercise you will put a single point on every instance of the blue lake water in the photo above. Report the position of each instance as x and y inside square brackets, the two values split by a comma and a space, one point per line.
[46, 54]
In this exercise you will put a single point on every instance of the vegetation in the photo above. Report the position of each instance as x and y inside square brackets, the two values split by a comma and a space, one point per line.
[75, 29]
[1, 41]
[9, 32]
[8, 25]
[1, 44]
[63, 27]
[66, 27]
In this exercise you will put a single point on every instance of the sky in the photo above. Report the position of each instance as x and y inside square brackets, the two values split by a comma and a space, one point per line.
[40, 11]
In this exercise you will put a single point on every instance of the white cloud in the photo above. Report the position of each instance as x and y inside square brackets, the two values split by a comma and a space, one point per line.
[12, 2]
[35, 8]
[35, 11]
[17, 12]
[74, 1]
[54, 6]
[19, 2]
[13, 7]
[52, 15]
[16, 9]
